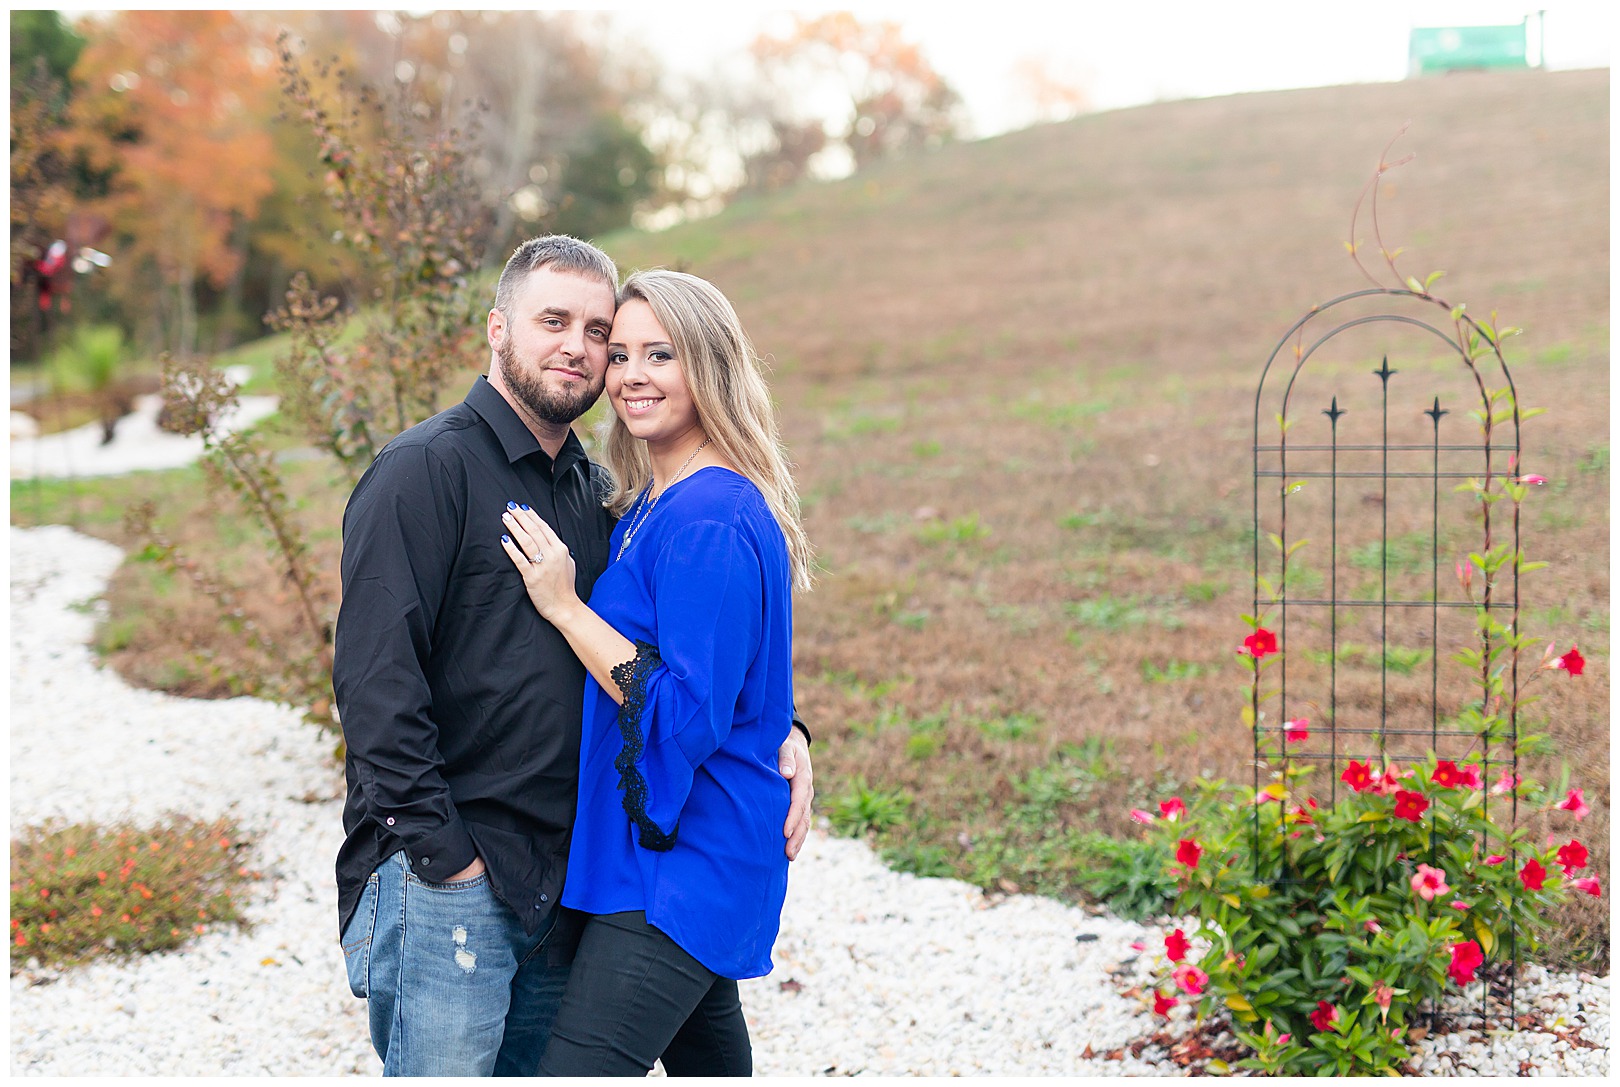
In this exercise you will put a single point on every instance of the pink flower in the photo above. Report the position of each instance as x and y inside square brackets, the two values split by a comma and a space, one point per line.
[1191, 979]
[1471, 777]
[1575, 803]
[1391, 781]
[1297, 731]
[1409, 805]
[1172, 809]
[1284, 1039]
[1383, 996]
[1458, 904]
[1357, 775]
[1589, 884]
[1465, 573]
[1138, 945]
[1571, 662]
[1259, 644]
[1446, 774]
[1324, 1016]
[1534, 481]
[1175, 946]
[1572, 856]
[1465, 959]
[1506, 783]
[1495, 858]
[1140, 816]
[1372, 925]
[1532, 875]
[1162, 1004]
[1188, 852]
[1429, 882]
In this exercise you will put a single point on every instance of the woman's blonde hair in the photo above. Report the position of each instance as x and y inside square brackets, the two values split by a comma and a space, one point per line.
[727, 385]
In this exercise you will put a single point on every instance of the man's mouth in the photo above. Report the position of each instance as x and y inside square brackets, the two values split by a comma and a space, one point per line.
[566, 373]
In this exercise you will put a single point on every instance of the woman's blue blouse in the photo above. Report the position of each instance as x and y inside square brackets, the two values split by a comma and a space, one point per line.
[681, 803]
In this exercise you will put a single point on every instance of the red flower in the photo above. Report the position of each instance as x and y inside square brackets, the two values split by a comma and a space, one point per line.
[1465, 959]
[1471, 776]
[1358, 776]
[1458, 904]
[1409, 805]
[1429, 882]
[1572, 856]
[1191, 979]
[1188, 852]
[1446, 775]
[1589, 884]
[1162, 1004]
[1324, 1016]
[1575, 802]
[1260, 643]
[1175, 946]
[1495, 858]
[1571, 662]
[1296, 731]
[1172, 809]
[1372, 925]
[1532, 875]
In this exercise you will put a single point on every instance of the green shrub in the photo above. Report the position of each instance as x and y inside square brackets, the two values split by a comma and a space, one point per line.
[83, 890]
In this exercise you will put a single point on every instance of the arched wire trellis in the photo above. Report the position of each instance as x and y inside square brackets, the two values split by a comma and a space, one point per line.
[1420, 465]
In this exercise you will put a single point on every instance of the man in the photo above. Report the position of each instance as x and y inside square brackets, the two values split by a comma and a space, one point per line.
[461, 706]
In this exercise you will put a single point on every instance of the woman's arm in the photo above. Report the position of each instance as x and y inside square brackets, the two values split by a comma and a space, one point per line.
[550, 582]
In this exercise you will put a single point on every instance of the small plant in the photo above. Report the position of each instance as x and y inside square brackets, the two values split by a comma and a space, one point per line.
[1129, 877]
[963, 529]
[1328, 920]
[83, 890]
[88, 363]
[862, 809]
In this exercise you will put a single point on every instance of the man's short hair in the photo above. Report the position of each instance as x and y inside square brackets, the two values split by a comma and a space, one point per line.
[557, 251]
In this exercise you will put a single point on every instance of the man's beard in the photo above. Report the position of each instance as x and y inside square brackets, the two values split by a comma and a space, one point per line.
[549, 405]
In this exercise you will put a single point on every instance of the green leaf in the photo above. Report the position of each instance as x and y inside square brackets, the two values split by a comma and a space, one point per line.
[1411, 281]
[1431, 279]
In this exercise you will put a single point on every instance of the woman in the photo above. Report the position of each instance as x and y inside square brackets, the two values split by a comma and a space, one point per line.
[677, 852]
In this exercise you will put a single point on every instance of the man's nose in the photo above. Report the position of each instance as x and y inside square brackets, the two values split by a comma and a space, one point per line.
[574, 342]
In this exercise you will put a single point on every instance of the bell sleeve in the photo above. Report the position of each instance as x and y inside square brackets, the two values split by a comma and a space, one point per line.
[681, 696]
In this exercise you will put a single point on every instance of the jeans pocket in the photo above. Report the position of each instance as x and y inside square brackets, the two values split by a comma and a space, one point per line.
[357, 940]
[456, 885]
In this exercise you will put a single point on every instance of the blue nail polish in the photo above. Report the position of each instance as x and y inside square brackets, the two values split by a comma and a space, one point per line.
[525, 508]
[511, 505]
[505, 538]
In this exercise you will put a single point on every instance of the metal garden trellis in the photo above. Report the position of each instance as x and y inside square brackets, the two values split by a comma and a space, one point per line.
[1356, 436]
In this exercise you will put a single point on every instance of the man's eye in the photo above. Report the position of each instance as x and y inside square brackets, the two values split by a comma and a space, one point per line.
[598, 333]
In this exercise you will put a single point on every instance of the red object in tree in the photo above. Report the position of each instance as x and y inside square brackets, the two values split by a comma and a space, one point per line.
[1260, 643]
[1358, 776]
[1572, 856]
[1532, 875]
[1446, 775]
[1409, 805]
[1324, 1016]
[1571, 662]
[1162, 1004]
[1175, 946]
[1188, 852]
[1466, 958]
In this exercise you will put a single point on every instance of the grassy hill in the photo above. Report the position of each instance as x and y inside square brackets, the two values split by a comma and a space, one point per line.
[1017, 378]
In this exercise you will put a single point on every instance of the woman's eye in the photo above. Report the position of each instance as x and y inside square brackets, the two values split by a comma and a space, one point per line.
[615, 357]
[659, 356]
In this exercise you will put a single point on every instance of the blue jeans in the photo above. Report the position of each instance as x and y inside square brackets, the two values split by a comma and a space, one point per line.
[454, 985]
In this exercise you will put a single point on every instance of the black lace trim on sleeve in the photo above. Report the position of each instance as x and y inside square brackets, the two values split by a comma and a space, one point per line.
[631, 676]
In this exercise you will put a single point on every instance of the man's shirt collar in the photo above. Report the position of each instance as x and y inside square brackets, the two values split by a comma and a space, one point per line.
[517, 440]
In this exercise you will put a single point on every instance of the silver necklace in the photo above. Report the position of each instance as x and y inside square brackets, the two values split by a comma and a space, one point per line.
[646, 505]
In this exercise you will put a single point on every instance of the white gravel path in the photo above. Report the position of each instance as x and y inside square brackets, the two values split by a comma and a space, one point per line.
[877, 972]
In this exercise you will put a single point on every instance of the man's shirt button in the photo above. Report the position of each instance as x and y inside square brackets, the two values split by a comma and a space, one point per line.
[427, 861]
[390, 820]
[543, 898]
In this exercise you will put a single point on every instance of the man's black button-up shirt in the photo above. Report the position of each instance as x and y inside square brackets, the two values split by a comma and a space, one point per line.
[460, 705]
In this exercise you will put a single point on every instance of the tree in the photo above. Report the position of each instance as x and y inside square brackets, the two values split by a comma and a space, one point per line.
[896, 101]
[174, 110]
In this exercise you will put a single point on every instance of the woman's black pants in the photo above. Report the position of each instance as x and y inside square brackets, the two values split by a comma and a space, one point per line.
[633, 996]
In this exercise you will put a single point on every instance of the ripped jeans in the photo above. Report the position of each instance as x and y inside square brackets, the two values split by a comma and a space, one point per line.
[454, 986]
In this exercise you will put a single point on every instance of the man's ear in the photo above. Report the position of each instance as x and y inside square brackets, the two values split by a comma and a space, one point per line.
[495, 328]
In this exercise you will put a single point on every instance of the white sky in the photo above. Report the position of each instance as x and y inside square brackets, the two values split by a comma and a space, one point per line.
[1138, 51]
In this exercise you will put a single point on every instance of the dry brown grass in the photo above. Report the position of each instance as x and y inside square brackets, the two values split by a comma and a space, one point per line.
[1017, 377]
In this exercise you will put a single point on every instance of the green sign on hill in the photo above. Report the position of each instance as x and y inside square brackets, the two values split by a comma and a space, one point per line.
[1454, 48]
